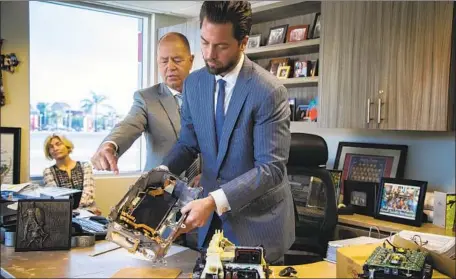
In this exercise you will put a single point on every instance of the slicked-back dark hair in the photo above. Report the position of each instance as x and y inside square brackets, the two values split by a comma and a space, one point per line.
[239, 13]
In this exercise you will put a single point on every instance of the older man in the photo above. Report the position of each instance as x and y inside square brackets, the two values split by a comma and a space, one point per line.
[155, 110]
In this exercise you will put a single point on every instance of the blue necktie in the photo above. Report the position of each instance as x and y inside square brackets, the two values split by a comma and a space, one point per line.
[220, 110]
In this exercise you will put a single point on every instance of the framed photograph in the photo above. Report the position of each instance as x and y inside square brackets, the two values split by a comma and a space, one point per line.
[10, 155]
[283, 72]
[336, 176]
[254, 41]
[275, 63]
[401, 201]
[361, 195]
[369, 162]
[277, 34]
[300, 69]
[43, 225]
[316, 27]
[297, 33]
[313, 68]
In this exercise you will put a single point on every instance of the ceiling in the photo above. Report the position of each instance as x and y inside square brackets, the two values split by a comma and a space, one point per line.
[187, 9]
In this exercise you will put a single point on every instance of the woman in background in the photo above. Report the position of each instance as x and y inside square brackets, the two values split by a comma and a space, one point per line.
[69, 173]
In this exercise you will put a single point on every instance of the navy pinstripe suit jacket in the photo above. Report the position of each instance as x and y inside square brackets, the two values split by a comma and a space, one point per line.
[250, 162]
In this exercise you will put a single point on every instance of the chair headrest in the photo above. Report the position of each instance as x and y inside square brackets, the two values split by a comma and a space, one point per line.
[307, 150]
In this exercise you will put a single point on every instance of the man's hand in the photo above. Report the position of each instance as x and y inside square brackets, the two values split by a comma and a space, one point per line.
[198, 213]
[105, 158]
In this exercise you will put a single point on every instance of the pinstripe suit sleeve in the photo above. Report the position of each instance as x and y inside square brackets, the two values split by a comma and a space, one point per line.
[271, 139]
[131, 127]
[186, 149]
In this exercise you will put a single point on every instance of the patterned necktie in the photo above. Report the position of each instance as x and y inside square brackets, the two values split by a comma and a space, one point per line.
[220, 110]
[178, 98]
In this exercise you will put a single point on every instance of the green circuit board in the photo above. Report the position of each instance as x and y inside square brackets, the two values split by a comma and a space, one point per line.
[400, 259]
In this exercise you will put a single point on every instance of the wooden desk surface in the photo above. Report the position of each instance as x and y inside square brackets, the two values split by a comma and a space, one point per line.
[367, 221]
[77, 263]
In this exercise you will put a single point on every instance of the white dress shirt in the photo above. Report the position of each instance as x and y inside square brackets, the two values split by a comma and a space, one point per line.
[221, 202]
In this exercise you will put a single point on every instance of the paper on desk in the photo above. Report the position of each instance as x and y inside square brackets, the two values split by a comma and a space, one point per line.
[172, 251]
[14, 187]
[57, 191]
[443, 245]
[12, 206]
[83, 213]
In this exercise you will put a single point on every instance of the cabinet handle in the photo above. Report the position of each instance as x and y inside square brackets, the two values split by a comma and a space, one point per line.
[379, 110]
[369, 103]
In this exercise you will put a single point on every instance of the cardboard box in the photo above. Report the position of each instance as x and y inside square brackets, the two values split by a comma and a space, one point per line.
[350, 261]
[441, 263]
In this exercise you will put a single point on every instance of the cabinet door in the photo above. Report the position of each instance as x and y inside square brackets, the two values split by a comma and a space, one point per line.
[414, 80]
[349, 51]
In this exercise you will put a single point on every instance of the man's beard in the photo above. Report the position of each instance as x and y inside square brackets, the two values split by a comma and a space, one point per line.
[221, 70]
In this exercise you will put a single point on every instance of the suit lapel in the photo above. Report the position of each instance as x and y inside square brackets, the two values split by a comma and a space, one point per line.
[206, 94]
[240, 93]
[169, 104]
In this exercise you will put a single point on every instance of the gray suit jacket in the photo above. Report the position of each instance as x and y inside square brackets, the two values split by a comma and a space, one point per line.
[249, 163]
[154, 112]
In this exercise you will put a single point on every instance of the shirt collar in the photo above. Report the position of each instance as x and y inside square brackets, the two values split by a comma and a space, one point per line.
[173, 91]
[232, 76]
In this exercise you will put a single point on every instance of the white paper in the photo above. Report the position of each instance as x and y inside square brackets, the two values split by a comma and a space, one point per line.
[12, 206]
[439, 209]
[83, 213]
[14, 187]
[438, 243]
[57, 191]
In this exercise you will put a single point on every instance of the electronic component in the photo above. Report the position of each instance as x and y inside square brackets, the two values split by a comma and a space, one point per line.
[148, 217]
[224, 260]
[397, 263]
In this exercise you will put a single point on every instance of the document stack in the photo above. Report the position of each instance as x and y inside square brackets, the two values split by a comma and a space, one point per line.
[440, 244]
[334, 245]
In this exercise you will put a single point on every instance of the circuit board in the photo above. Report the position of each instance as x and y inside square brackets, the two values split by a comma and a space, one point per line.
[397, 262]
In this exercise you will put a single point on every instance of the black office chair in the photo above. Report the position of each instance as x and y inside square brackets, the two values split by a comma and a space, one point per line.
[315, 219]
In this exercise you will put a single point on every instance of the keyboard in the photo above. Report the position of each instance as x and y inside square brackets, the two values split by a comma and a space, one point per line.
[91, 226]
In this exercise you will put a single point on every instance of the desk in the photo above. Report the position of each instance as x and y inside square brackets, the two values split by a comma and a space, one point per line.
[358, 223]
[77, 263]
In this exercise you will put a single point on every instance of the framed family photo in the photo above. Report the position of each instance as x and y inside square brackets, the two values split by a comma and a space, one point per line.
[277, 34]
[401, 201]
[370, 162]
[10, 155]
[254, 41]
[297, 33]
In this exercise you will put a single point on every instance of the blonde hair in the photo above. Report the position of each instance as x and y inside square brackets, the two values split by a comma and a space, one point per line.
[62, 138]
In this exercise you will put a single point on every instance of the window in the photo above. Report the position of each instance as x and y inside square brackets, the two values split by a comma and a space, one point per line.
[85, 65]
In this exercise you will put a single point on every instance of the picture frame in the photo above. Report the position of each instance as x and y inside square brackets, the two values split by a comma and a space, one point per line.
[297, 33]
[316, 26]
[313, 68]
[43, 225]
[401, 201]
[275, 63]
[369, 162]
[300, 69]
[277, 34]
[10, 155]
[283, 72]
[336, 176]
[362, 196]
[254, 41]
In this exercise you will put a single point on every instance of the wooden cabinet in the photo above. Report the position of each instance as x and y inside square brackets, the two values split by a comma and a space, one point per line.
[385, 65]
